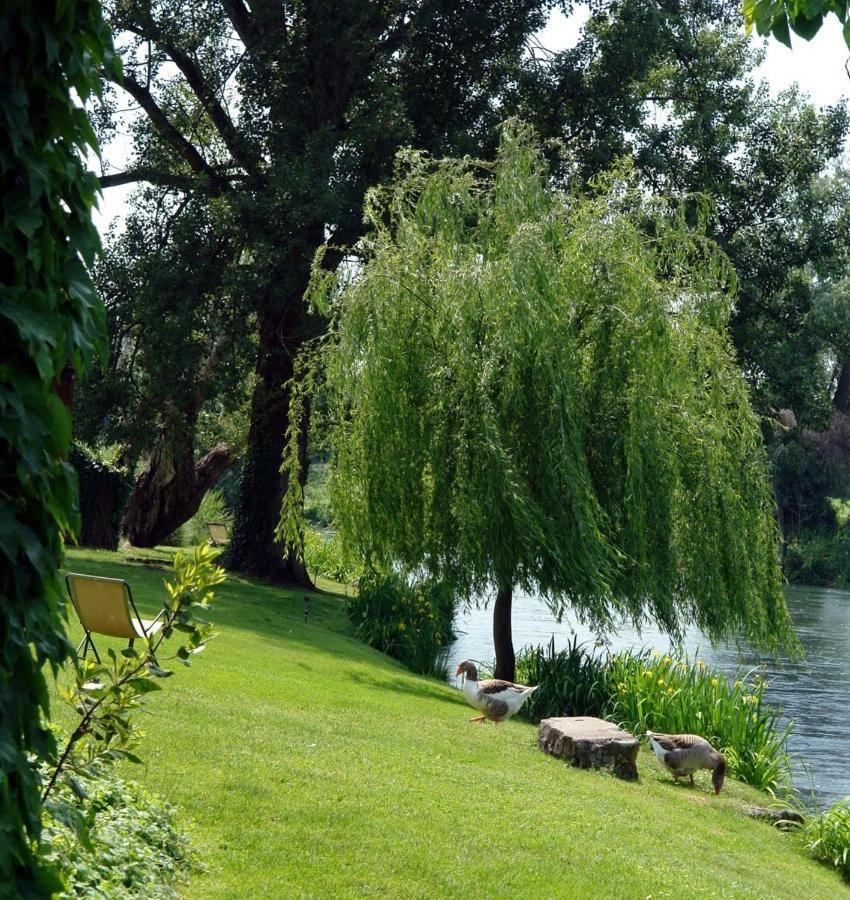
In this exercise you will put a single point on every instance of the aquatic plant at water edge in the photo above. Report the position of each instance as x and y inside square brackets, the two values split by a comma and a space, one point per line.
[571, 682]
[408, 620]
[827, 836]
[680, 696]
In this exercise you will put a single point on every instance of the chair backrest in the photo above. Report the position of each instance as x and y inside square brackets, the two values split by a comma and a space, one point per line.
[103, 604]
[219, 533]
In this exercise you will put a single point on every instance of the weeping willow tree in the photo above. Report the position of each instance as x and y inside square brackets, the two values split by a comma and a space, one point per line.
[530, 390]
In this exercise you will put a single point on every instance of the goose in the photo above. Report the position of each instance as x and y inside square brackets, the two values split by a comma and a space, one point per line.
[498, 700]
[683, 754]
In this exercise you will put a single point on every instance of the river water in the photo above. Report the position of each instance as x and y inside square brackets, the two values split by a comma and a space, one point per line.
[814, 693]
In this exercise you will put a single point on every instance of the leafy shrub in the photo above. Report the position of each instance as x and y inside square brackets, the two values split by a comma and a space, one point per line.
[827, 836]
[132, 848]
[572, 682]
[323, 556]
[410, 621]
[212, 509]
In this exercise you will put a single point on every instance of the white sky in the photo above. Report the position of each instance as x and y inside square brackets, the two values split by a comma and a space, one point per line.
[816, 65]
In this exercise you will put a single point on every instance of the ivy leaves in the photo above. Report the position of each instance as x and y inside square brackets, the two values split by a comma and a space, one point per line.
[50, 54]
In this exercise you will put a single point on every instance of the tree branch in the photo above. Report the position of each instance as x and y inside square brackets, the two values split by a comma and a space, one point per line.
[165, 179]
[242, 20]
[202, 90]
[166, 130]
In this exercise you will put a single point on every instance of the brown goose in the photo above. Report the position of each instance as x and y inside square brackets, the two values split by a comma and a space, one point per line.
[498, 700]
[683, 754]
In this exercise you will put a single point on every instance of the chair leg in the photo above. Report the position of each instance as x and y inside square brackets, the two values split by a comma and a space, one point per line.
[85, 644]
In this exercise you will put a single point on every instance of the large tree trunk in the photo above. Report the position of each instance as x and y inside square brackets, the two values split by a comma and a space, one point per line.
[169, 491]
[502, 637]
[284, 325]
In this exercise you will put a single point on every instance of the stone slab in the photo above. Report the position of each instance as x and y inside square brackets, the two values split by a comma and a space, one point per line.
[587, 742]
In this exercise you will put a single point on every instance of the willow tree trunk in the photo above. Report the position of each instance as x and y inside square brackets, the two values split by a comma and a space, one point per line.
[503, 641]
[169, 491]
[284, 325]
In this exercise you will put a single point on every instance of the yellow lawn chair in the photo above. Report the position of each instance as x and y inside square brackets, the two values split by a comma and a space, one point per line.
[219, 534]
[105, 606]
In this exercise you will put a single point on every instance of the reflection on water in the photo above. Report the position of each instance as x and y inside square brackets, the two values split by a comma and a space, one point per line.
[815, 693]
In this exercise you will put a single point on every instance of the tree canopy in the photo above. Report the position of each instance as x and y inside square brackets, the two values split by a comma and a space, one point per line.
[530, 389]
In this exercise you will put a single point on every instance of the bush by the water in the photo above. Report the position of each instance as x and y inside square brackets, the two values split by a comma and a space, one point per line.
[648, 691]
[827, 836]
[133, 847]
[571, 682]
[412, 621]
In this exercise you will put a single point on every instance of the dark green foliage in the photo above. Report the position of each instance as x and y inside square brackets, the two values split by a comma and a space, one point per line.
[103, 493]
[820, 557]
[134, 847]
[408, 620]
[50, 317]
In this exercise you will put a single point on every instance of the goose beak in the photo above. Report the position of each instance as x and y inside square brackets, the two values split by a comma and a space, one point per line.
[459, 670]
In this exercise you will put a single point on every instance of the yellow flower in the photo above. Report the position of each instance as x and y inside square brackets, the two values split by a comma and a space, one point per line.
[714, 682]
[621, 686]
[401, 626]
[655, 654]
[661, 682]
[700, 664]
[666, 660]
[669, 690]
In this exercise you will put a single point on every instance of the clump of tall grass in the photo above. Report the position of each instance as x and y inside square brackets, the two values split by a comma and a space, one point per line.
[571, 682]
[827, 836]
[662, 693]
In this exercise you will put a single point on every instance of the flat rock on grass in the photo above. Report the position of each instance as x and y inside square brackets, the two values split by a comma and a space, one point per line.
[590, 743]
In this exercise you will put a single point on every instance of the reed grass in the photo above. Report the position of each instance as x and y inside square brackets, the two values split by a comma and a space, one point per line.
[827, 836]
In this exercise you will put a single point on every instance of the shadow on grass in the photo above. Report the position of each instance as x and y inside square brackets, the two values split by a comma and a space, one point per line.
[416, 689]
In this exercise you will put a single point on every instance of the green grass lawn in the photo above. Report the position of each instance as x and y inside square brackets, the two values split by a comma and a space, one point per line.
[308, 765]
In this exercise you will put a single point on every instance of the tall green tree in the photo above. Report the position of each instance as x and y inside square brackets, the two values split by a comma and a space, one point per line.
[51, 324]
[180, 343]
[531, 390]
[289, 111]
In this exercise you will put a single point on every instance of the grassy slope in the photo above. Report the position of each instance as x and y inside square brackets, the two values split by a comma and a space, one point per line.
[311, 765]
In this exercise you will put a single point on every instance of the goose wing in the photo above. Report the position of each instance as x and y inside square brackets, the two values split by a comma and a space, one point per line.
[496, 687]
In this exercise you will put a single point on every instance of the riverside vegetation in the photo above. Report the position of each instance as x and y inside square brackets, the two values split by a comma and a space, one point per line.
[331, 754]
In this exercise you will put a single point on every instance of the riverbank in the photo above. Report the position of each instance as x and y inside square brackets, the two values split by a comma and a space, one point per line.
[310, 765]
[814, 692]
